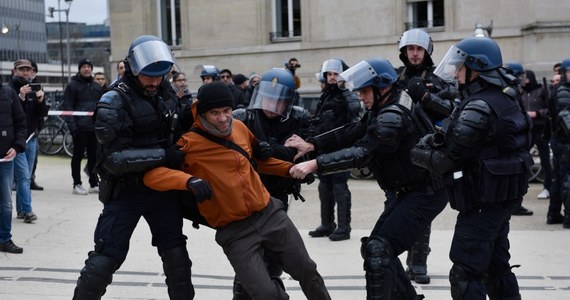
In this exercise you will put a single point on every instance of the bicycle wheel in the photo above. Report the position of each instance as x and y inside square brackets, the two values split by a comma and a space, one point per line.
[50, 139]
[68, 144]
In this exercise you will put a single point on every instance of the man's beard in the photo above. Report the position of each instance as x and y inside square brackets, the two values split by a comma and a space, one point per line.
[149, 93]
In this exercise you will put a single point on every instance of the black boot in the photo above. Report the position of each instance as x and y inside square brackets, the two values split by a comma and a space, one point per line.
[554, 218]
[95, 277]
[327, 211]
[343, 201]
[417, 259]
[35, 187]
[177, 268]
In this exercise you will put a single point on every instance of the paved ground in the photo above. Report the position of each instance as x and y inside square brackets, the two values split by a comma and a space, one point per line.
[56, 245]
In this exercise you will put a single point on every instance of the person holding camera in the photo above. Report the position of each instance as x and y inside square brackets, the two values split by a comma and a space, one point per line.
[35, 108]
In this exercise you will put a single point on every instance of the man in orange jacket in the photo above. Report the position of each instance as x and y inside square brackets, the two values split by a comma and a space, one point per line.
[233, 200]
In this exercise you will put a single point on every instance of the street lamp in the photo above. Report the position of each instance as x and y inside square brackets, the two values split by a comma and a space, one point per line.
[5, 29]
[51, 10]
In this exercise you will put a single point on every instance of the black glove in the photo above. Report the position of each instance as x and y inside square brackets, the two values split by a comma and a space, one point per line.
[310, 178]
[416, 89]
[262, 151]
[174, 157]
[200, 188]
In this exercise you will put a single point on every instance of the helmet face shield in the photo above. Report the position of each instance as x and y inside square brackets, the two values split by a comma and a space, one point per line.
[450, 64]
[357, 76]
[417, 37]
[273, 97]
[151, 58]
[332, 65]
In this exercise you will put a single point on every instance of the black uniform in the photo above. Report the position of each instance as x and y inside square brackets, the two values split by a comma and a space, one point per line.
[439, 103]
[335, 108]
[134, 130]
[275, 131]
[560, 143]
[382, 141]
[486, 145]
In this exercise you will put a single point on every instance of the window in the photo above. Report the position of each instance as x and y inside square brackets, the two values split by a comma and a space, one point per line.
[169, 21]
[425, 14]
[286, 20]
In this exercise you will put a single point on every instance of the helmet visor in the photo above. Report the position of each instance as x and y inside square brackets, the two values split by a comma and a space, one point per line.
[416, 37]
[148, 53]
[450, 64]
[272, 97]
[357, 76]
[332, 65]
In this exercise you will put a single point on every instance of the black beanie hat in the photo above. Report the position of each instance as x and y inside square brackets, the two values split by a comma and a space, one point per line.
[84, 61]
[214, 95]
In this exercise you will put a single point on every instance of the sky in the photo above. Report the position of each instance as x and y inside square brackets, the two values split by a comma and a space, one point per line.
[85, 11]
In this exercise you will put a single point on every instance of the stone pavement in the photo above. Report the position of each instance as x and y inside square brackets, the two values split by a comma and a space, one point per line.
[56, 245]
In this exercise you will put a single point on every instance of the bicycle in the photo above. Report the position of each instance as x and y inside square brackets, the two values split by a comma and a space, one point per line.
[54, 135]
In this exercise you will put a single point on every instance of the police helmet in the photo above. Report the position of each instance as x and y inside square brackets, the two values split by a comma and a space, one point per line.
[480, 54]
[275, 92]
[211, 71]
[377, 72]
[150, 56]
[333, 65]
[416, 37]
[515, 67]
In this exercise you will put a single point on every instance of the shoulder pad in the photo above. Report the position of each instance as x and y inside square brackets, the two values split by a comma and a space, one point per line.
[111, 99]
[405, 100]
[240, 114]
[478, 105]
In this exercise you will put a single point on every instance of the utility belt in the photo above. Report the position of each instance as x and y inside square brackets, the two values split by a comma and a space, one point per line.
[432, 186]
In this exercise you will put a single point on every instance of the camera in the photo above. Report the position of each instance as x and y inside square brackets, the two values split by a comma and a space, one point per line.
[35, 87]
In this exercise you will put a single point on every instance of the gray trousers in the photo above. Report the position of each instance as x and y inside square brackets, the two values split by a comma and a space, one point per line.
[244, 241]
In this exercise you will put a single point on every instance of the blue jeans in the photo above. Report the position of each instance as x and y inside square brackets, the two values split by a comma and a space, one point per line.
[23, 164]
[6, 177]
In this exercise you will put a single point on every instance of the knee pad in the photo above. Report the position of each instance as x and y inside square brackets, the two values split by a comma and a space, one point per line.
[95, 276]
[377, 255]
[380, 276]
[177, 268]
[458, 281]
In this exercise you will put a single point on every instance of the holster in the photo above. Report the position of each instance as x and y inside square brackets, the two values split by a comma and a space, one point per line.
[109, 186]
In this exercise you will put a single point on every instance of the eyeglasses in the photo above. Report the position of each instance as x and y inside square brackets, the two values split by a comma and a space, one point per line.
[225, 76]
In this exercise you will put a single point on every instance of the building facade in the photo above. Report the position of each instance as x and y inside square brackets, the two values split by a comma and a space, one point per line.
[255, 35]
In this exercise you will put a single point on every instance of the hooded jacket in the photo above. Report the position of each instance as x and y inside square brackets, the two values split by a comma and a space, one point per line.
[237, 189]
[534, 98]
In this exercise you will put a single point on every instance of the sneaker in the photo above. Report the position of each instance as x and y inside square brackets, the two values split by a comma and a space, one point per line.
[544, 194]
[29, 217]
[20, 215]
[94, 190]
[79, 190]
[10, 247]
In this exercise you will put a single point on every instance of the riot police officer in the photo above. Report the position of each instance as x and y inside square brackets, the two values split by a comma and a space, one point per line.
[382, 141]
[272, 118]
[560, 143]
[135, 127]
[335, 108]
[433, 95]
[484, 147]
[209, 74]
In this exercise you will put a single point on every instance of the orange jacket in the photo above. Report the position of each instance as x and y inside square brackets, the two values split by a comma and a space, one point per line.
[237, 188]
